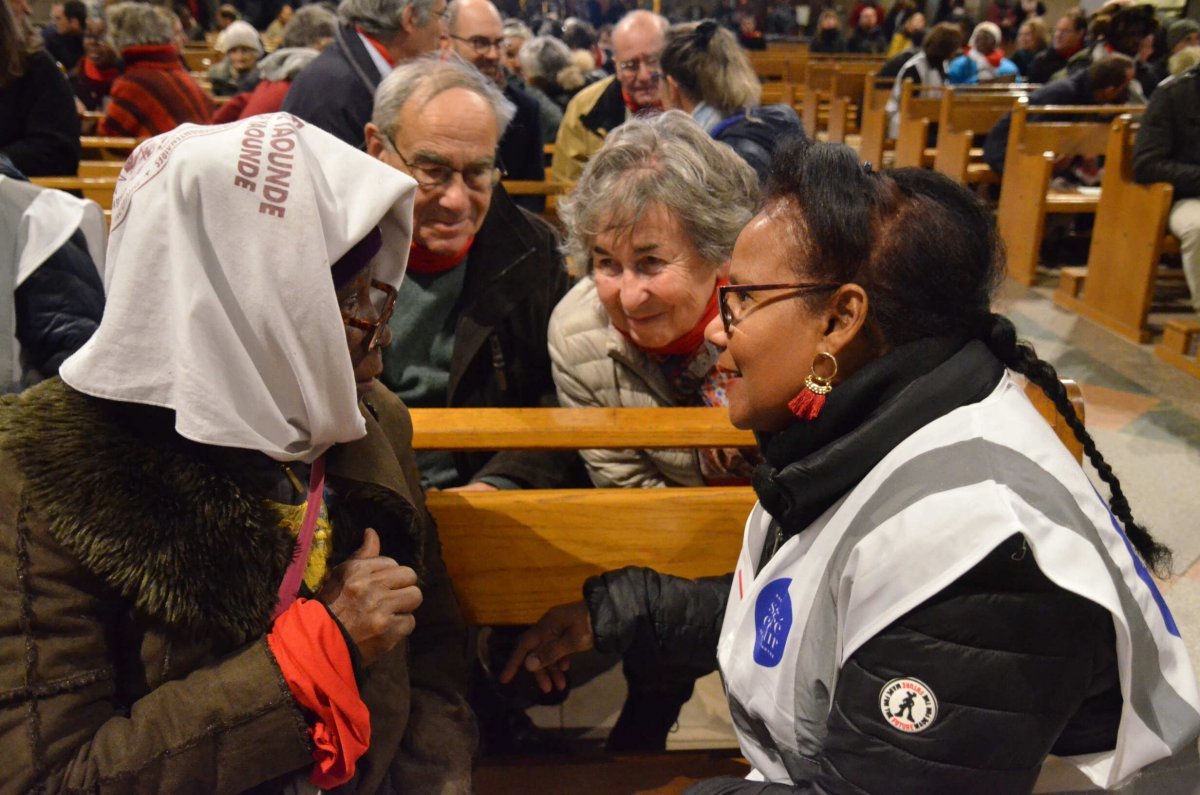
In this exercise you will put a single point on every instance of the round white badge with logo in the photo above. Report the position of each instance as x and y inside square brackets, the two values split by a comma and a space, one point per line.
[908, 705]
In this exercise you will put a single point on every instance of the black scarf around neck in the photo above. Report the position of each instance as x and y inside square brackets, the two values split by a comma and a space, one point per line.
[810, 465]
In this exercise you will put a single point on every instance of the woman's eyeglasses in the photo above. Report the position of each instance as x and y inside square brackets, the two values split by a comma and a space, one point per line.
[731, 297]
[375, 329]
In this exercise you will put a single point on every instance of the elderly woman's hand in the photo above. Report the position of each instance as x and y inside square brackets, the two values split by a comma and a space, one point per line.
[374, 598]
[544, 648]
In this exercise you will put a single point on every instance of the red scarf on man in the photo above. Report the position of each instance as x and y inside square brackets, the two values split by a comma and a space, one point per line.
[422, 260]
[379, 48]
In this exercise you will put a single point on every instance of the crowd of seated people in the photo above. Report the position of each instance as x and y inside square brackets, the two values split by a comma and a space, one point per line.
[225, 399]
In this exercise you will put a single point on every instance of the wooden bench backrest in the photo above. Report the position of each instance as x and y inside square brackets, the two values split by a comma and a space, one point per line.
[845, 96]
[1039, 135]
[101, 147]
[199, 60]
[98, 189]
[1127, 240]
[512, 554]
[962, 116]
[769, 65]
[919, 107]
[779, 93]
[873, 119]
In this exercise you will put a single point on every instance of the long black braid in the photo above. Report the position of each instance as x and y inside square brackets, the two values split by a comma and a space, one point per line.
[1019, 356]
[928, 254]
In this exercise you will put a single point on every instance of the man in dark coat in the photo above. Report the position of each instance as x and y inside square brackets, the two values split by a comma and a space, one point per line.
[64, 34]
[1069, 33]
[1166, 151]
[335, 92]
[483, 275]
[476, 35]
[1105, 82]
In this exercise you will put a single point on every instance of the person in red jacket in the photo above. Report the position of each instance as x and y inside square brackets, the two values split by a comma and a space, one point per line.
[307, 33]
[155, 94]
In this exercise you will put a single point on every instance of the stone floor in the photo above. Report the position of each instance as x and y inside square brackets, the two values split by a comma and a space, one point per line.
[1145, 416]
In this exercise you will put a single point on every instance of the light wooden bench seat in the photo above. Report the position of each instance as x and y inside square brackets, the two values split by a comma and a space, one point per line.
[1033, 147]
[1127, 244]
[1180, 345]
[98, 189]
[101, 147]
[512, 554]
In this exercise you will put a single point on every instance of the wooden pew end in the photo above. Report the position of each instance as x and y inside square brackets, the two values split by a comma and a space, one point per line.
[1180, 345]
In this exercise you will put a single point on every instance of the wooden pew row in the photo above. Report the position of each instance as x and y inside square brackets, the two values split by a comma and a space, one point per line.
[921, 107]
[512, 554]
[819, 77]
[98, 189]
[845, 103]
[873, 120]
[1116, 288]
[1033, 148]
[96, 147]
[962, 117]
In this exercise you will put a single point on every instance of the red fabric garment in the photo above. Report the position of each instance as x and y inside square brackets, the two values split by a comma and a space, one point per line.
[996, 56]
[231, 110]
[267, 97]
[688, 342]
[1067, 53]
[154, 95]
[95, 73]
[422, 260]
[629, 103]
[315, 663]
[383, 51]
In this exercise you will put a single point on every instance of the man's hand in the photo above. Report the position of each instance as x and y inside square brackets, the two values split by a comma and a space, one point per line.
[374, 598]
[544, 648]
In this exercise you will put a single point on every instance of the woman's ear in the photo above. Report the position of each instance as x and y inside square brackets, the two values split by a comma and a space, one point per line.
[846, 318]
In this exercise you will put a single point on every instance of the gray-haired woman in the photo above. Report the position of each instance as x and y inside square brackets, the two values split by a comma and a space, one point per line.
[554, 73]
[707, 74]
[653, 218]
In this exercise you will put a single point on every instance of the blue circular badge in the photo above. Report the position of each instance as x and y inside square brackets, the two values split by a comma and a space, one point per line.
[773, 622]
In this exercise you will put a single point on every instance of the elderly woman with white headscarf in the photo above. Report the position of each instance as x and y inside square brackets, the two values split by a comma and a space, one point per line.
[222, 572]
[984, 61]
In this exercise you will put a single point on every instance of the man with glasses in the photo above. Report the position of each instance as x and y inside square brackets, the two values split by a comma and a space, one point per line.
[336, 90]
[602, 107]
[472, 313]
[1069, 33]
[477, 36]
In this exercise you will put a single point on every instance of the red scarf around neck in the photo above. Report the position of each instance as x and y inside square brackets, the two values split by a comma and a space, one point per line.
[422, 260]
[379, 48]
[633, 107]
[689, 342]
[996, 56]
[96, 74]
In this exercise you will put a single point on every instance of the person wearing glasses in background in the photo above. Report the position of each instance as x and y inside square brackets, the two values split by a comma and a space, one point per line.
[930, 595]
[483, 277]
[476, 34]
[604, 106]
[336, 90]
[226, 566]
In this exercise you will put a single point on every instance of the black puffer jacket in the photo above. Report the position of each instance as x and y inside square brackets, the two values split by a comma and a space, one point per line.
[59, 305]
[1166, 148]
[1027, 661]
[755, 133]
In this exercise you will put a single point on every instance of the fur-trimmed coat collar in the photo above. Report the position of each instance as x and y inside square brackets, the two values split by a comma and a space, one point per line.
[173, 526]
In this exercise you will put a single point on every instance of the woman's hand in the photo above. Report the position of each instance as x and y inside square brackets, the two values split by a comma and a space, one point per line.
[543, 649]
[374, 598]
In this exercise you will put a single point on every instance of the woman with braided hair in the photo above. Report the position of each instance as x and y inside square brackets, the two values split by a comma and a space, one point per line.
[930, 595]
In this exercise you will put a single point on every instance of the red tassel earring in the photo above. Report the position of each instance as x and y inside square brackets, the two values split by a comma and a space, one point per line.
[808, 404]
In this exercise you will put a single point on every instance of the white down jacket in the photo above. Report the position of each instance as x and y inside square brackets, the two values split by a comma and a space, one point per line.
[593, 365]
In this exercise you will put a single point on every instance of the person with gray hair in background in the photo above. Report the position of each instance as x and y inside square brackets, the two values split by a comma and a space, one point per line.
[306, 34]
[155, 93]
[335, 92]
[476, 35]
[516, 33]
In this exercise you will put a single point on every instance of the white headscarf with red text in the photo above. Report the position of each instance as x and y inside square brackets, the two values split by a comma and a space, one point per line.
[220, 303]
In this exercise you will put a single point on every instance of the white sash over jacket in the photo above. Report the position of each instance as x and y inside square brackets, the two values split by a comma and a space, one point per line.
[932, 509]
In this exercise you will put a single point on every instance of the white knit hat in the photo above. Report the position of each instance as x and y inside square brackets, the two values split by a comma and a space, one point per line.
[239, 34]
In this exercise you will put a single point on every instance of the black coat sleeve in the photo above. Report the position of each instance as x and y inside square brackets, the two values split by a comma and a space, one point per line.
[1154, 153]
[672, 619]
[521, 148]
[995, 147]
[41, 136]
[59, 307]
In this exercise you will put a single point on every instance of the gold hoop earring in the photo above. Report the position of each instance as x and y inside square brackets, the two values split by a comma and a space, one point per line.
[808, 404]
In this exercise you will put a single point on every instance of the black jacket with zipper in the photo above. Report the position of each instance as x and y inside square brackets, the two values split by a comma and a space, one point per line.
[515, 277]
[1166, 149]
[337, 90]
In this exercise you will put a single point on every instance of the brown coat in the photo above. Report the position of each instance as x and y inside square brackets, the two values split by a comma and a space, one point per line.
[137, 575]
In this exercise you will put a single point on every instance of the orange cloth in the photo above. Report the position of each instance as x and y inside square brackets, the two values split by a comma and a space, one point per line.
[316, 665]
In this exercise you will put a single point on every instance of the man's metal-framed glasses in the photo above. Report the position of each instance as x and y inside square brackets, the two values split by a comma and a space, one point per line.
[481, 44]
[652, 63]
[730, 297]
[437, 176]
[385, 306]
